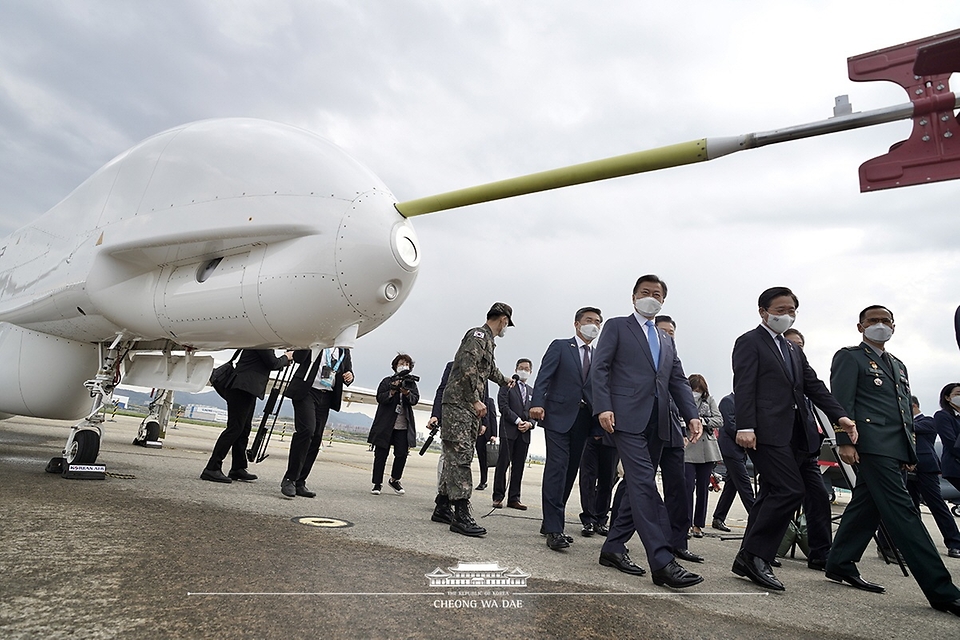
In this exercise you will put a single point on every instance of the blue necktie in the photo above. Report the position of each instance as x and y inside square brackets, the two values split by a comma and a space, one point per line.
[654, 344]
[787, 358]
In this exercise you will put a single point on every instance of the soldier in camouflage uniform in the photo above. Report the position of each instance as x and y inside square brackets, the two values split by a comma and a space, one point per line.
[463, 407]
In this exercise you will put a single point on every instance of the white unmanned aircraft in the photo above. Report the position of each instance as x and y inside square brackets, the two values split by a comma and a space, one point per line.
[241, 233]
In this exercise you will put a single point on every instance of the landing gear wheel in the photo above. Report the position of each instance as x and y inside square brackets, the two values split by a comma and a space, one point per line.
[956, 510]
[85, 448]
[153, 430]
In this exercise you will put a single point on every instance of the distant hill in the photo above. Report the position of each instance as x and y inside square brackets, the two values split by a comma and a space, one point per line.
[212, 399]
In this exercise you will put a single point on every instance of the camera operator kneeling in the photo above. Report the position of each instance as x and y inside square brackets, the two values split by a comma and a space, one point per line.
[393, 423]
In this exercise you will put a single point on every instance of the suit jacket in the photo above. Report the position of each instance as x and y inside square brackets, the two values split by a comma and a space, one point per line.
[438, 397]
[512, 407]
[768, 401]
[728, 432]
[881, 410]
[489, 421]
[948, 427]
[381, 432]
[253, 370]
[306, 374]
[560, 385]
[926, 432]
[626, 382]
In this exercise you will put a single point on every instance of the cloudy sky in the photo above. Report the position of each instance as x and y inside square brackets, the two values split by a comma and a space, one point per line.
[437, 95]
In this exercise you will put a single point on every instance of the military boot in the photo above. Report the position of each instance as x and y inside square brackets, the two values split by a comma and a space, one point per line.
[463, 523]
[442, 513]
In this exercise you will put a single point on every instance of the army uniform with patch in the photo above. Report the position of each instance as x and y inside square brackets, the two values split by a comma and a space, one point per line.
[472, 366]
[875, 391]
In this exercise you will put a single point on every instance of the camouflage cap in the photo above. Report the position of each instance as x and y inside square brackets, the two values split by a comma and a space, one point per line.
[501, 309]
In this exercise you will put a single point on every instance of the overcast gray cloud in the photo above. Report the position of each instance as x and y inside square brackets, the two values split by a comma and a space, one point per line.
[435, 95]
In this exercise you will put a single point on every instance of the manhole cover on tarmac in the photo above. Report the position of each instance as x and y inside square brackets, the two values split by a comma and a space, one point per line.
[322, 522]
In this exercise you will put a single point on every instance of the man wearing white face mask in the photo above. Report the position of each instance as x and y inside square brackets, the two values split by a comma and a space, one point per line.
[635, 373]
[562, 401]
[515, 425]
[771, 376]
[872, 385]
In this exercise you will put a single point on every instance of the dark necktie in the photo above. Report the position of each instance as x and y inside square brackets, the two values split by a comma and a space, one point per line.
[523, 392]
[586, 361]
[787, 358]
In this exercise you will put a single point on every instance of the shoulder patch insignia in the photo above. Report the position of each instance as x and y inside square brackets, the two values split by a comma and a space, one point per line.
[479, 334]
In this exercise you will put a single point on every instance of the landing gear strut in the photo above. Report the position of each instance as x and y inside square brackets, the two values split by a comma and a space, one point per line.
[79, 455]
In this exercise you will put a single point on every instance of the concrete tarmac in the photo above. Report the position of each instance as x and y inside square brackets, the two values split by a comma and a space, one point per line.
[154, 552]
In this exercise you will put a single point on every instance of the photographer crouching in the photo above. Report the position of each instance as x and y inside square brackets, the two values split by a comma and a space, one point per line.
[393, 424]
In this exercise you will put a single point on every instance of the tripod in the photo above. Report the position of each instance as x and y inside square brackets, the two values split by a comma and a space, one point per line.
[258, 450]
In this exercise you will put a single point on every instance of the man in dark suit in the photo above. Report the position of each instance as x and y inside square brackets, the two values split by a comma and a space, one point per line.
[734, 456]
[873, 386]
[771, 378]
[635, 371]
[514, 403]
[598, 475]
[924, 483]
[488, 433]
[252, 374]
[315, 390]
[562, 402]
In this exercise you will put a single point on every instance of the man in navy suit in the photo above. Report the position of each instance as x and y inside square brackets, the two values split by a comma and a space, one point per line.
[771, 376]
[514, 403]
[734, 456]
[925, 484]
[635, 371]
[562, 402]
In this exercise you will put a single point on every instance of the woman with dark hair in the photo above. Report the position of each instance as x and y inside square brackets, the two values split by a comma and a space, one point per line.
[393, 423]
[702, 456]
[947, 423]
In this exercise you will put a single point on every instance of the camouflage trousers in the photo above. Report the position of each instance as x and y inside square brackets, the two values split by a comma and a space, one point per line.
[458, 432]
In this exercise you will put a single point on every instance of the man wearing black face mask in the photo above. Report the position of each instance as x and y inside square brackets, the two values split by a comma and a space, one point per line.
[872, 385]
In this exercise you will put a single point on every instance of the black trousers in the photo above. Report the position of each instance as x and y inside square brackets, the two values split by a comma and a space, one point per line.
[240, 408]
[482, 458]
[816, 504]
[736, 483]
[401, 447]
[698, 488]
[781, 494]
[513, 453]
[561, 468]
[309, 417]
[927, 486]
[598, 474]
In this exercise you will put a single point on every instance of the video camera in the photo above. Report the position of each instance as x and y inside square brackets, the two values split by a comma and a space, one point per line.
[433, 434]
[407, 380]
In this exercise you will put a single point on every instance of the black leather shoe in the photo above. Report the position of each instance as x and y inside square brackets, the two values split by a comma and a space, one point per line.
[569, 539]
[675, 577]
[757, 569]
[856, 582]
[442, 513]
[214, 475]
[950, 607]
[776, 563]
[601, 529]
[481, 486]
[621, 562]
[720, 525]
[587, 530]
[953, 553]
[557, 541]
[303, 492]
[817, 564]
[686, 554]
[287, 488]
[242, 475]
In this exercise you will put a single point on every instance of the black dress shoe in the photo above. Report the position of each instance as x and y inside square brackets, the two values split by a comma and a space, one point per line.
[587, 530]
[720, 525]
[950, 607]
[757, 569]
[686, 554]
[557, 541]
[817, 564]
[675, 577]
[481, 486]
[569, 539]
[242, 475]
[856, 582]
[601, 529]
[953, 553]
[303, 492]
[621, 562]
[287, 488]
[214, 475]
[776, 563]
